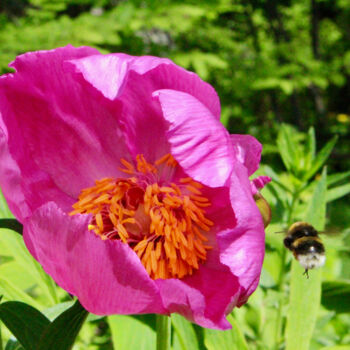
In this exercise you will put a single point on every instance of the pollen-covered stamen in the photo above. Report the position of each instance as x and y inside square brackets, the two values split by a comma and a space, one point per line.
[165, 225]
[177, 232]
[113, 203]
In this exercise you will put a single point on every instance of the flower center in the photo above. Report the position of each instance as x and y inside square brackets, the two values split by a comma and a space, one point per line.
[164, 222]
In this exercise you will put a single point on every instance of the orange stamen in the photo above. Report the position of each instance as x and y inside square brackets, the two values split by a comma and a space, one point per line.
[165, 225]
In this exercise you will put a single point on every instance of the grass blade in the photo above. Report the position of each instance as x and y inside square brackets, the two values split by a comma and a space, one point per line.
[321, 158]
[338, 192]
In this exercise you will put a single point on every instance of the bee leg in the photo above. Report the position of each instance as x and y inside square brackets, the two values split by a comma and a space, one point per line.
[306, 272]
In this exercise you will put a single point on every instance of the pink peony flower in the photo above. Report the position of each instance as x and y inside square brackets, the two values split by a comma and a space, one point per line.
[132, 194]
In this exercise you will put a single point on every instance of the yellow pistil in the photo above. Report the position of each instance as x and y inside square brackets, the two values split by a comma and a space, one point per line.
[166, 225]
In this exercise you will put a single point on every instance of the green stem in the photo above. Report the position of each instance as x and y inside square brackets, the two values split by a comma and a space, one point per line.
[163, 326]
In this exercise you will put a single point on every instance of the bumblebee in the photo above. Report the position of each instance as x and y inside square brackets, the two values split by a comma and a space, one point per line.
[303, 241]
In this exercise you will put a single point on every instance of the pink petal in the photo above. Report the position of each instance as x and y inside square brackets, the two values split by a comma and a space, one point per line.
[107, 74]
[20, 183]
[199, 142]
[202, 298]
[248, 151]
[106, 276]
[259, 182]
[10, 181]
[242, 248]
[65, 132]
[131, 81]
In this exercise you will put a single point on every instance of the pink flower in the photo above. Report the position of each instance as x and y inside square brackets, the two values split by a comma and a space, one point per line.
[132, 194]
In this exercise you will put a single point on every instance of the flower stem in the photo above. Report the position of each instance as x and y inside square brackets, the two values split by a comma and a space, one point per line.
[163, 326]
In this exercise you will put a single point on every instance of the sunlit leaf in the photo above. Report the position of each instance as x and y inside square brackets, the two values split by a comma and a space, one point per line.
[310, 148]
[338, 192]
[321, 158]
[124, 328]
[185, 332]
[287, 147]
[334, 178]
[12, 292]
[305, 294]
[232, 339]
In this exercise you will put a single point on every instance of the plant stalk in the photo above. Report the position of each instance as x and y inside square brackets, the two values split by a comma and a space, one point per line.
[163, 327]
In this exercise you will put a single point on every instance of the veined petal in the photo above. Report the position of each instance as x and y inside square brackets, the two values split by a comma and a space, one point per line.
[106, 276]
[248, 151]
[242, 248]
[55, 125]
[131, 82]
[199, 142]
[10, 180]
[259, 183]
[199, 299]
[108, 74]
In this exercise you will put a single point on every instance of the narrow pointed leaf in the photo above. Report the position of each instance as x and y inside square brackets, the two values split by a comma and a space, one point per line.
[338, 192]
[287, 147]
[275, 178]
[334, 178]
[62, 332]
[12, 224]
[310, 148]
[305, 294]
[13, 292]
[321, 158]
[26, 323]
[316, 214]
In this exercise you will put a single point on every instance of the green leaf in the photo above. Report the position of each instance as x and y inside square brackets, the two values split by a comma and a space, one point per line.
[310, 148]
[13, 345]
[338, 192]
[336, 347]
[123, 330]
[336, 296]
[25, 322]
[321, 158]
[54, 311]
[11, 291]
[275, 178]
[316, 214]
[62, 332]
[232, 339]
[287, 147]
[185, 332]
[12, 224]
[305, 294]
[334, 178]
